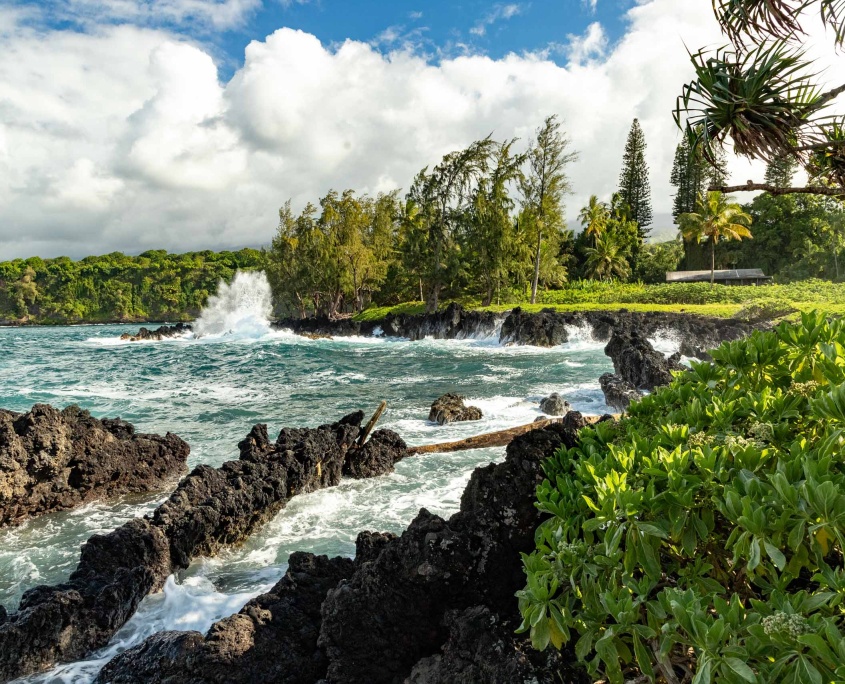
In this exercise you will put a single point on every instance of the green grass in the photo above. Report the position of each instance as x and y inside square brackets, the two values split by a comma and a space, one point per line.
[693, 298]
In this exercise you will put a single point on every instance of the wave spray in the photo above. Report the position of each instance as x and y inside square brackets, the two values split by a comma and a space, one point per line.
[242, 307]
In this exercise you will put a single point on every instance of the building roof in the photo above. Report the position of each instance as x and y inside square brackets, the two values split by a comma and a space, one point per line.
[729, 274]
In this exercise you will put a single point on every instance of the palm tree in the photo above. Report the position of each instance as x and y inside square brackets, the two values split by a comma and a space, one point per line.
[594, 218]
[716, 219]
[607, 259]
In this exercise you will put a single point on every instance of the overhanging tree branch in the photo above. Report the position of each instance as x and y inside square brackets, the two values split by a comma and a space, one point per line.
[775, 190]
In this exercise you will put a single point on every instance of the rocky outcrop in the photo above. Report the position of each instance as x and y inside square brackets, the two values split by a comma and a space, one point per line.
[450, 408]
[638, 363]
[211, 508]
[377, 457]
[323, 327]
[544, 329]
[453, 322]
[52, 460]
[547, 328]
[554, 405]
[617, 392]
[160, 333]
[434, 605]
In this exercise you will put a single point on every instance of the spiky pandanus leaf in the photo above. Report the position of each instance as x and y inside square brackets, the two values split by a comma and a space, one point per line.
[760, 99]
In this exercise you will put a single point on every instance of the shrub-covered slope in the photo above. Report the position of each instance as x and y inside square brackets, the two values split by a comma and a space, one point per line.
[701, 539]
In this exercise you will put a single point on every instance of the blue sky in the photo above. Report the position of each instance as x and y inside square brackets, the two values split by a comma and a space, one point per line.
[436, 26]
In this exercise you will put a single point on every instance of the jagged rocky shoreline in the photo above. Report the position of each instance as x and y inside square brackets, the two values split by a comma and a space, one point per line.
[52, 460]
[433, 605]
[546, 328]
[211, 508]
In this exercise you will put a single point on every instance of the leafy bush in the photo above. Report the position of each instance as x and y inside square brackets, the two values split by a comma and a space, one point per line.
[701, 538]
[764, 310]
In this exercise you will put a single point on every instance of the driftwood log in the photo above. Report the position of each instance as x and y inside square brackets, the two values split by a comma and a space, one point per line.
[490, 439]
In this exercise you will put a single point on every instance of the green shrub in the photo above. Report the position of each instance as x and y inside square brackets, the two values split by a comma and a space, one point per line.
[764, 310]
[701, 538]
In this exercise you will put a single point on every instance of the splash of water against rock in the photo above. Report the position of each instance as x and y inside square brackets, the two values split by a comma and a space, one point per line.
[242, 307]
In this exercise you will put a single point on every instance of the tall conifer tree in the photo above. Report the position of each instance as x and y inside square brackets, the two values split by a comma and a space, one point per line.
[634, 185]
[780, 170]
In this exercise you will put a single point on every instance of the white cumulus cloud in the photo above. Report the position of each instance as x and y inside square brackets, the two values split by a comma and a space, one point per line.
[126, 138]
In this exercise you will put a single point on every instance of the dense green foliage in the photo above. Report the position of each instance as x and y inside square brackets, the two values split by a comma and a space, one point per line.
[115, 287]
[482, 220]
[795, 237]
[715, 220]
[701, 538]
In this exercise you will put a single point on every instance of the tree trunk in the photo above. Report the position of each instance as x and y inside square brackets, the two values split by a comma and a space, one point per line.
[422, 296]
[536, 267]
[712, 262]
[488, 297]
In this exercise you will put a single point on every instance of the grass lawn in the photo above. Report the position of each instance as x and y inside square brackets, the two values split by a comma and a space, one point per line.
[772, 301]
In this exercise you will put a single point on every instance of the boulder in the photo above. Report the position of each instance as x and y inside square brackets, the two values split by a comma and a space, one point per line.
[52, 460]
[544, 329]
[638, 363]
[554, 405]
[617, 392]
[450, 408]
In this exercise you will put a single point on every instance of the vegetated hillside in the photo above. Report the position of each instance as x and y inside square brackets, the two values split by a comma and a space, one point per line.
[114, 287]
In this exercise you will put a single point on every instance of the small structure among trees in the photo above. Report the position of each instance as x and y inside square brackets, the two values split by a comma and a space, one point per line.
[735, 276]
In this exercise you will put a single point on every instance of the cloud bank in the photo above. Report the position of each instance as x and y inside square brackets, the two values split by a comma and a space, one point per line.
[124, 138]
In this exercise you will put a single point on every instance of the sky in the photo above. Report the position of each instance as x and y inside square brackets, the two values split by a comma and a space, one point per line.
[128, 125]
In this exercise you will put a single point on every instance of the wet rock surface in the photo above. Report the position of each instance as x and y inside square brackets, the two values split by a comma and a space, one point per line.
[382, 451]
[544, 329]
[617, 392]
[435, 604]
[547, 328]
[52, 460]
[638, 363]
[554, 405]
[450, 408]
[211, 508]
[160, 333]
[454, 322]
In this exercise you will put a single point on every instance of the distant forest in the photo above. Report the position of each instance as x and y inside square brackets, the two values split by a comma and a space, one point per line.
[154, 285]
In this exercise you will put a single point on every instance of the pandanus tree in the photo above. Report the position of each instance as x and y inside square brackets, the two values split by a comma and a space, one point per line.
[594, 218]
[760, 93]
[716, 219]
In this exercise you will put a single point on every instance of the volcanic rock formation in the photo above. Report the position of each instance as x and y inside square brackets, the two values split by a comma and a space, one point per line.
[434, 605]
[161, 333]
[211, 508]
[638, 363]
[617, 392]
[450, 408]
[53, 460]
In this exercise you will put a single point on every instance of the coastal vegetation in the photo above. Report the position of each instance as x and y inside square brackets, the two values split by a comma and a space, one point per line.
[701, 538]
[152, 286]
